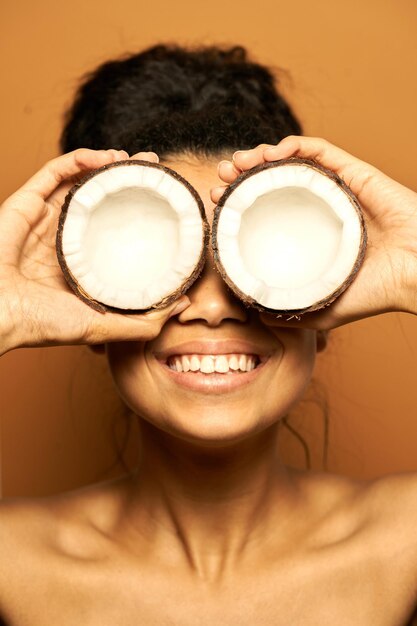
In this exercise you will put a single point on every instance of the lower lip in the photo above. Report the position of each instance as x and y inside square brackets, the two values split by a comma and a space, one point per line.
[212, 383]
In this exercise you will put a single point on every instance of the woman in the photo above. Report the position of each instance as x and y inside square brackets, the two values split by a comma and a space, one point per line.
[211, 528]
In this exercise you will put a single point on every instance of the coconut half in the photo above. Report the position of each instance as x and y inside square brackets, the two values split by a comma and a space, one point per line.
[288, 236]
[132, 236]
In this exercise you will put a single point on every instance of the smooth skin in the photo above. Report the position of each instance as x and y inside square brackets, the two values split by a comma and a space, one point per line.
[212, 528]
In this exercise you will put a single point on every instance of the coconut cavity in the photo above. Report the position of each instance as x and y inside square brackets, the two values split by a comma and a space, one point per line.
[132, 236]
[288, 236]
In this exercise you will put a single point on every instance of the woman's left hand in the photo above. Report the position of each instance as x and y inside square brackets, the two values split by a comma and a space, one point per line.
[387, 280]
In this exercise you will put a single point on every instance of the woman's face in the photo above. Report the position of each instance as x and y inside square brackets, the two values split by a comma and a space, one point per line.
[213, 408]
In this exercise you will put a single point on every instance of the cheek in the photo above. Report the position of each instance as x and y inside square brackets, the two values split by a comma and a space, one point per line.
[136, 384]
[129, 371]
[299, 363]
[290, 378]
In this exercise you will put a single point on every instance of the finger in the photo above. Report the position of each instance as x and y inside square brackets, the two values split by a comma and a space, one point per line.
[142, 327]
[314, 321]
[319, 150]
[324, 319]
[358, 174]
[152, 157]
[246, 159]
[44, 182]
[217, 192]
[227, 171]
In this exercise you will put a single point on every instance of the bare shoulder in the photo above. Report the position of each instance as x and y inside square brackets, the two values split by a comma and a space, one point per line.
[34, 532]
[380, 514]
[370, 527]
[390, 508]
[390, 501]
[23, 525]
[389, 498]
[37, 518]
[393, 500]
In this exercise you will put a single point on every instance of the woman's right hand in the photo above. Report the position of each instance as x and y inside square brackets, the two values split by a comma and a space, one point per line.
[37, 308]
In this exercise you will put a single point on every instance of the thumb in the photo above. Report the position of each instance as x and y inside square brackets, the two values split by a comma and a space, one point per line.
[136, 327]
[177, 307]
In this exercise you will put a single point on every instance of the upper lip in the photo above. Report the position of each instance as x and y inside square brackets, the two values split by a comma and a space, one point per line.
[225, 346]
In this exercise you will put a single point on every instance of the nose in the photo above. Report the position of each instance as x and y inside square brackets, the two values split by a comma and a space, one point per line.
[211, 300]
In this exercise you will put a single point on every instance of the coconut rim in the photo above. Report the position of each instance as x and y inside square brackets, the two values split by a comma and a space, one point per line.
[167, 300]
[249, 301]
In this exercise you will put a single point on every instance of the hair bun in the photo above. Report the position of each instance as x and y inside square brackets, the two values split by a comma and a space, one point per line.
[205, 100]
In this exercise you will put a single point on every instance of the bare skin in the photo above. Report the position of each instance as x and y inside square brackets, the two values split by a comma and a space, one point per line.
[212, 529]
[337, 557]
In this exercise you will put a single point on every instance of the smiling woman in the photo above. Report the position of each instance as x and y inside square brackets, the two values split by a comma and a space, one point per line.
[211, 528]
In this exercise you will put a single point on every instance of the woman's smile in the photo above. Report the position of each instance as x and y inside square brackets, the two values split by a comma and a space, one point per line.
[214, 366]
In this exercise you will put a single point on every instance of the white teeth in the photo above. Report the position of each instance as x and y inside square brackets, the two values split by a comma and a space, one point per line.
[194, 363]
[221, 365]
[250, 365]
[242, 362]
[207, 363]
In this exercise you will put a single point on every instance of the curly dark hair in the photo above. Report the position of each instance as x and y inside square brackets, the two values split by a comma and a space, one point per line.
[172, 100]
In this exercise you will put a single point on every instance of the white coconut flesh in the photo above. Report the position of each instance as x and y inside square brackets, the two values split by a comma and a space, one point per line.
[288, 236]
[132, 235]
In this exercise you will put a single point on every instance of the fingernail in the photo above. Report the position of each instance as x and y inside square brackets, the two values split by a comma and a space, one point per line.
[118, 155]
[271, 154]
[235, 154]
[182, 304]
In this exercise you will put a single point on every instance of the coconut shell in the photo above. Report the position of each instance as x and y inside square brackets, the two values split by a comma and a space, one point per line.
[320, 304]
[72, 281]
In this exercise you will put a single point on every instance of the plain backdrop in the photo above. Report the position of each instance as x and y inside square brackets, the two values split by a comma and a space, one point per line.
[349, 70]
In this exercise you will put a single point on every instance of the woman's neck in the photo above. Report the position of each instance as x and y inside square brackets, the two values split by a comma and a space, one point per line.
[216, 504]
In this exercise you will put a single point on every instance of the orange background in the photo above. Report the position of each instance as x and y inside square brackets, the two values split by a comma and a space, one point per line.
[350, 74]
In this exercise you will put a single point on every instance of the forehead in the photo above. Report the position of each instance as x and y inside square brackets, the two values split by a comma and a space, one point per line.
[200, 173]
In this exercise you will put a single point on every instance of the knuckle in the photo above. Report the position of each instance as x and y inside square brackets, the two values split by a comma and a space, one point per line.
[89, 331]
[263, 146]
[320, 143]
[52, 168]
[292, 138]
[79, 155]
[154, 319]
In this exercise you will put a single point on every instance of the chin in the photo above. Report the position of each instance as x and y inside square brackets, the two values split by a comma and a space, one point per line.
[210, 424]
[209, 433]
